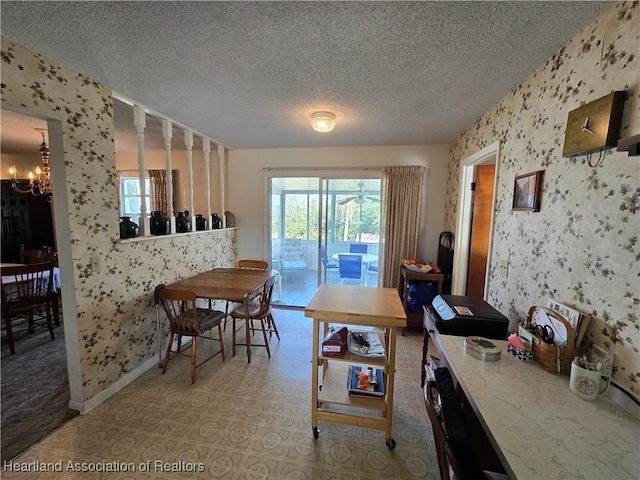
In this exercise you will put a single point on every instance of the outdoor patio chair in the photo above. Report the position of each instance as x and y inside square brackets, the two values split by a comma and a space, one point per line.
[357, 248]
[349, 266]
[292, 257]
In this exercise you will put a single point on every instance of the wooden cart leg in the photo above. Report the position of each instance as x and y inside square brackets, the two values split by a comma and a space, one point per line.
[314, 379]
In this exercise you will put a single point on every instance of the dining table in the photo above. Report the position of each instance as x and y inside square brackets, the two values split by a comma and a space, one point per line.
[55, 289]
[230, 284]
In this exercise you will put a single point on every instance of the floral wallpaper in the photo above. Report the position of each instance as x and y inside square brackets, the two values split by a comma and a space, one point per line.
[581, 249]
[115, 313]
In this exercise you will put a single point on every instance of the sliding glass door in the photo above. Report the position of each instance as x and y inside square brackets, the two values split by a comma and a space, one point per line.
[323, 230]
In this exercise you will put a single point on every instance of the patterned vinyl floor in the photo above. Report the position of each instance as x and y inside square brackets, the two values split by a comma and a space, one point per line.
[239, 421]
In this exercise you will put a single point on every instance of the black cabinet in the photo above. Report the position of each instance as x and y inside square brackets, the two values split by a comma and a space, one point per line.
[26, 219]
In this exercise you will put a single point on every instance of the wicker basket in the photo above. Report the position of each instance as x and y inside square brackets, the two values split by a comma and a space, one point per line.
[552, 358]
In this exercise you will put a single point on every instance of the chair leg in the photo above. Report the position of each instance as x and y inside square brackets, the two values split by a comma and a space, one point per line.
[193, 359]
[9, 328]
[221, 341]
[264, 334]
[233, 342]
[166, 357]
[55, 308]
[226, 314]
[272, 326]
[50, 324]
[247, 331]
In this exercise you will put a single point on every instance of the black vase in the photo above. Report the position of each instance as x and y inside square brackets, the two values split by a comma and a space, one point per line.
[201, 222]
[159, 224]
[216, 221]
[183, 223]
[128, 229]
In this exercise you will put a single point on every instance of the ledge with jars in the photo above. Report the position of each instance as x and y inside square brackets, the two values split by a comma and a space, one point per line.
[160, 225]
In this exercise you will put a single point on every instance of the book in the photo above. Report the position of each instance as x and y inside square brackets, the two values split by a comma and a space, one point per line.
[371, 387]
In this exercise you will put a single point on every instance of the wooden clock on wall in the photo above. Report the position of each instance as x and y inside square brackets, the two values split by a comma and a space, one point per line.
[595, 125]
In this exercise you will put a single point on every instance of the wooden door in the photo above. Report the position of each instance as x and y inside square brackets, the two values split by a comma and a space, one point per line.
[480, 225]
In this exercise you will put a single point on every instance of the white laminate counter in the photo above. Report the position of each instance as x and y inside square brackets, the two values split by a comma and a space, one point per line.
[540, 429]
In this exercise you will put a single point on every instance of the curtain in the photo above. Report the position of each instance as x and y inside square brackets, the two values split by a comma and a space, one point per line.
[159, 190]
[401, 212]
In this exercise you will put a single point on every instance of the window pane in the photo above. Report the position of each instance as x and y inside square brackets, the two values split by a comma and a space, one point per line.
[131, 205]
[295, 214]
[130, 186]
[275, 216]
[314, 203]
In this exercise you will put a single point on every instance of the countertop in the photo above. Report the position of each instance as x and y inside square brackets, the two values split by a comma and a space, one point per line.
[539, 428]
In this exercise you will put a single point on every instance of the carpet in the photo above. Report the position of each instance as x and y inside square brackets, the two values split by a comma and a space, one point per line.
[34, 390]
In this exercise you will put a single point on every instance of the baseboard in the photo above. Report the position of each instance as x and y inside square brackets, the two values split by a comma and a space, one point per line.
[88, 405]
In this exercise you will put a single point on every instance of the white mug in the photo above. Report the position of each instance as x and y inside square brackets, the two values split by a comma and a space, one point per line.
[588, 384]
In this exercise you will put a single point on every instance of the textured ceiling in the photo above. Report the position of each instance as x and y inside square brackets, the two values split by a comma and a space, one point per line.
[249, 74]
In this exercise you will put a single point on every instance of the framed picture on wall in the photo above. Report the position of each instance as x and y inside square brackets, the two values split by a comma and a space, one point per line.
[526, 191]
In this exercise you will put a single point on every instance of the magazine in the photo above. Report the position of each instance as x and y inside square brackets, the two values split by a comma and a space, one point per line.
[365, 381]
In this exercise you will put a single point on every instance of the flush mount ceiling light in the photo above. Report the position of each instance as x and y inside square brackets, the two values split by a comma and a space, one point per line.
[323, 121]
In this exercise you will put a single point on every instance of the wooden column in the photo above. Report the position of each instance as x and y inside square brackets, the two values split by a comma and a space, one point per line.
[139, 121]
[188, 142]
[206, 149]
[167, 134]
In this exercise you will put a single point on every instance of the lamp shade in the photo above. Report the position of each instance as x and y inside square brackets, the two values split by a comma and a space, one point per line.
[323, 121]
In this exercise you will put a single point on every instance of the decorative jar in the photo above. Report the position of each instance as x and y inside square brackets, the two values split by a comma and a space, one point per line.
[183, 223]
[201, 222]
[128, 229]
[230, 220]
[216, 221]
[159, 224]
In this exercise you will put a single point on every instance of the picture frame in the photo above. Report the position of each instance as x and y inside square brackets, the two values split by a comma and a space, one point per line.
[526, 191]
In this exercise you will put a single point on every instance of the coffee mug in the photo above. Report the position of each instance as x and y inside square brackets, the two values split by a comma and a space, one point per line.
[588, 384]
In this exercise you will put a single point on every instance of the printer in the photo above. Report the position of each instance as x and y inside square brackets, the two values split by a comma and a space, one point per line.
[467, 316]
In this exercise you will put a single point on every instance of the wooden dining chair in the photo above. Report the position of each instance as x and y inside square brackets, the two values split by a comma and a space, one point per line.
[188, 320]
[28, 255]
[257, 317]
[244, 264]
[253, 264]
[26, 298]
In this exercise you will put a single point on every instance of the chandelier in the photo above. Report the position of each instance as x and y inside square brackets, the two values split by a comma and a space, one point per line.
[40, 182]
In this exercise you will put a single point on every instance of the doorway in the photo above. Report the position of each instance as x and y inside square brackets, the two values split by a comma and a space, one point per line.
[471, 260]
[323, 230]
[31, 410]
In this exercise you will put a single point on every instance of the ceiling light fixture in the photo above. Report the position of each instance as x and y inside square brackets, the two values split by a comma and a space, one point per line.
[40, 183]
[323, 122]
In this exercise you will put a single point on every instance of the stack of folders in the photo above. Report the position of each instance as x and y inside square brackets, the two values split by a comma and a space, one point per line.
[374, 387]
